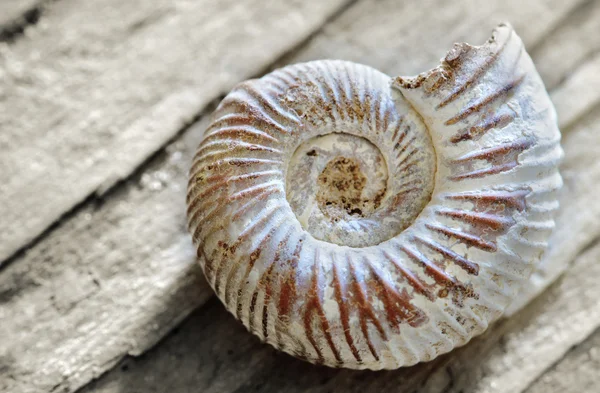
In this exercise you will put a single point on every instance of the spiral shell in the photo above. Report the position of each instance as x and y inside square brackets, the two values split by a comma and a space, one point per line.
[357, 220]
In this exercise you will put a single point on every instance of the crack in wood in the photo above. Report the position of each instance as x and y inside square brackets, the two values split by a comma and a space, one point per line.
[21, 17]
[553, 379]
[111, 191]
[569, 18]
[111, 182]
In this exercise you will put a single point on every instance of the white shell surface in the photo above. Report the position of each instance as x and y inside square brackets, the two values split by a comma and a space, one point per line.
[357, 220]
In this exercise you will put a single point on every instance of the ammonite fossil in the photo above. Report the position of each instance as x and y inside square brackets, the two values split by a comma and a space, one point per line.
[357, 220]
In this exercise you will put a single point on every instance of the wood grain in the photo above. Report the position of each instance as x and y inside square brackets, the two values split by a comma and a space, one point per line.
[118, 273]
[111, 280]
[98, 87]
[579, 93]
[576, 37]
[577, 372]
[188, 360]
[61, 87]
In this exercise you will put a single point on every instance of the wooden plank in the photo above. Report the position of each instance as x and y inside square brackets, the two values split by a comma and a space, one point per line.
[577, 372]
[230, 361]
[97, 87]
[577, 38]
[108, 250]
[582, 88]
[222, 357]
[110, 281]
[406, 38]
[65, 342]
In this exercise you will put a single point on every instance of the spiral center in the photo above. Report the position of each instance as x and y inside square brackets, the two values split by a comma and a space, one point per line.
[343, 193]
[337, 186]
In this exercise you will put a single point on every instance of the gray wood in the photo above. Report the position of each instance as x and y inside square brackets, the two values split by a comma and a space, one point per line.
[221, 357]
[97, 87]
[118, 273]
[578, 372]
[406, 38]
[580, 92]
[111, 281]
[577, 36]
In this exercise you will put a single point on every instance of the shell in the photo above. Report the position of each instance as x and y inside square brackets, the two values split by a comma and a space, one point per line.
[356, 220]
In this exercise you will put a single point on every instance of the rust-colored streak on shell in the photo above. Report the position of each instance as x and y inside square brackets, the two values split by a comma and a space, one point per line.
[485, 101]
[498, 120]
[502, 158]
[413, 280]
[314, 308]
[357, 220]
[481, 220]
[367, 314]
[465, 238]
[342, 300]
[431, 269]
[469, 266]
[397, 303]
[288, 293]
[495, 201]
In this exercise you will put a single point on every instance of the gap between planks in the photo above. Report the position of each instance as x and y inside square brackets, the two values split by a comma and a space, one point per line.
[143, 132]
[97, 88]
[155, 180]
[87, 284]
[192, 357]
[576, 372]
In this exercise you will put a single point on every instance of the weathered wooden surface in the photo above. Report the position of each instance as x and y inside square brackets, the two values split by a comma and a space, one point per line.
[577, 372]
[118, 272]
[230, 360]
[576, 38]
[71, 333]
[97, 88]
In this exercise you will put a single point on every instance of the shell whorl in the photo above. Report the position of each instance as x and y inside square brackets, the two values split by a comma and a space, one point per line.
[356, 220]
